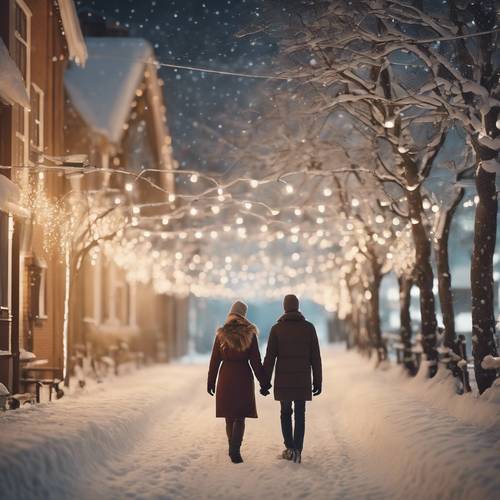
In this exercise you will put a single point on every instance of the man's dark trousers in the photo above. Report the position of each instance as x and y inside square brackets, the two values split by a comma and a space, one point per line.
[293, 439]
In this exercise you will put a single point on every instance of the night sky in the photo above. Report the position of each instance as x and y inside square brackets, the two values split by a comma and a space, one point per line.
[197, 33]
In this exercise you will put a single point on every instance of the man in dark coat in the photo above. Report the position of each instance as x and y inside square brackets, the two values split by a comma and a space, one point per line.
[293, 345]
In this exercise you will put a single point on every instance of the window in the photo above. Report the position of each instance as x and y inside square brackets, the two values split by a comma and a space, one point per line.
[36, 138]
[38, 288]
[21, 50]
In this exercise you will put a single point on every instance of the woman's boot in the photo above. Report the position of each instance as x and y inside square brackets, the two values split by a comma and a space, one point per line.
[229, 432]
[236, 440]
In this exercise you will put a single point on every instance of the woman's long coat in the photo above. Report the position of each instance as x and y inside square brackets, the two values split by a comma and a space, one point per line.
[235, 349]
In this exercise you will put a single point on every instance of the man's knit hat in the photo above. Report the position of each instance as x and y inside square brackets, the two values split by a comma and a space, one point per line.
[290, 303]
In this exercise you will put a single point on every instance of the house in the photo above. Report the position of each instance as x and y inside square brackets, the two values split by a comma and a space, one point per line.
[115, 114]
[37, 38]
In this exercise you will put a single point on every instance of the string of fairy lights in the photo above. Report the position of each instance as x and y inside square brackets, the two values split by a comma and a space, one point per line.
[217, 243]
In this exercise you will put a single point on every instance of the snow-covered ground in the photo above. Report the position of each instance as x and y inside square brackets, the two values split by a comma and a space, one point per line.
[371, 434]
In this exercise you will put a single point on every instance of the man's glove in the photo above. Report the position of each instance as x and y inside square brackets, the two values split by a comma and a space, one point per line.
[316, 389]
[210, 389]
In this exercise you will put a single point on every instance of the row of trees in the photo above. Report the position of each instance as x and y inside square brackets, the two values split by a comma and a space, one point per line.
[382, 98]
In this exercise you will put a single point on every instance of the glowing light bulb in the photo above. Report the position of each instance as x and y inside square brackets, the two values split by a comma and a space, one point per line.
[215, 209]
[254, 183]
[194, 178]
[379, 219]
[172, 197]
[321, 209]
[295, 256]
[327, 192]
[198, 235]
[226, 229]
[214, 235]
[129, 187]
[247, 205]
[165, 221]
[193, 211]
[136, 210]
[435, 208]
[298, 212]
[178, 255]
[263, 228]
[117, 201]
[239, 220]
[289, 189]
[396, 221]
[355, 202]
[389, 123]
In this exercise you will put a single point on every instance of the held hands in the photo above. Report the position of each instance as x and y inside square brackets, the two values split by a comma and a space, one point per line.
[264, 389]
[210, 389]
[316, 389]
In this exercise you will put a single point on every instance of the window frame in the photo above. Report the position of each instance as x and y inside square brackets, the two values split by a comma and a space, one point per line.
[37, 122]
[22, 134]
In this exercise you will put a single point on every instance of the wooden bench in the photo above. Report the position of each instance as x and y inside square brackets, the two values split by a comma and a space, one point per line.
[30, 376]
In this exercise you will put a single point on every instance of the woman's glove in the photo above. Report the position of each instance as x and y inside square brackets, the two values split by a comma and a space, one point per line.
[316, 389]
[210, 389]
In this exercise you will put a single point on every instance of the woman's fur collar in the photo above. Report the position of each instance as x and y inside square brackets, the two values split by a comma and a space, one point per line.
[237, 333]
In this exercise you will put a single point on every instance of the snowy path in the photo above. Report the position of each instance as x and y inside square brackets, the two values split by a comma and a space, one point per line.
[153, 435]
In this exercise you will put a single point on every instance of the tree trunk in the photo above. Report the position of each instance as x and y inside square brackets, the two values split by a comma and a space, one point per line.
[376, 330]
[405, 286]
[483, 317]
[444, 275]
[424, 276]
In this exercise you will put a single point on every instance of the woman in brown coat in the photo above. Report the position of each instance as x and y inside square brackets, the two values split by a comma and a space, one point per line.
[234, 347]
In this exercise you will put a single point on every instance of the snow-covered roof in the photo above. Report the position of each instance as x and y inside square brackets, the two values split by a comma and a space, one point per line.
[103, 90]
[12, 87]
[9, 198]
[72, 32]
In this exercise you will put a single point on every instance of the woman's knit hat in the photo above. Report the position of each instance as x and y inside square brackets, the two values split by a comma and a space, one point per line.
[239, 309]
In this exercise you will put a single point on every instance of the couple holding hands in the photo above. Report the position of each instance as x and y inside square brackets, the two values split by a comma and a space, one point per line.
[292, 346]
